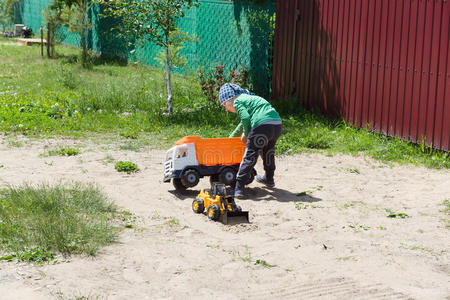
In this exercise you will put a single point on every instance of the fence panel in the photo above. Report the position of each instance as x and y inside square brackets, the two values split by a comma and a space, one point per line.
[382, 64]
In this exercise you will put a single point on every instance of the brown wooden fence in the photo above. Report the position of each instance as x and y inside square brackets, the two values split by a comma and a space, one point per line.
[377, 63]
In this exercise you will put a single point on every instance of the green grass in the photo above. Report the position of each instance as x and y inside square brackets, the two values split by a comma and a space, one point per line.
[38, 222]
[52, 97]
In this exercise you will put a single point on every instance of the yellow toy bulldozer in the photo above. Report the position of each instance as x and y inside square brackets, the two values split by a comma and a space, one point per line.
[219, 205]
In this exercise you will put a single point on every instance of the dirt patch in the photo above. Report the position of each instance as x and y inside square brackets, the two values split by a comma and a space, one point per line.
[323, 232]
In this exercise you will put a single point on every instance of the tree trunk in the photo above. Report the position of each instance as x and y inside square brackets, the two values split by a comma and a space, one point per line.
[83, 32]
[169, 84]
[83, 47]
[49, 28]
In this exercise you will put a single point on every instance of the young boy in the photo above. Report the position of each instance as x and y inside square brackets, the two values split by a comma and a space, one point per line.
[261, 125]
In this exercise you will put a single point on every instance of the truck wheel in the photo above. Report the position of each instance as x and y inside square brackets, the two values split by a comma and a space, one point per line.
[213, 212]
[179, 186]
[251, 177]
[228, 176]
[190, 178]
[198, 206]
[213, 178]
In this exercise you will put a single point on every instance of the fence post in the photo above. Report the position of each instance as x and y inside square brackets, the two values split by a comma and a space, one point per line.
[42, 41]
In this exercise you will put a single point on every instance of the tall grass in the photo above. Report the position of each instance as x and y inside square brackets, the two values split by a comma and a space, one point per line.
[306, 131]
[59, 97]
[52, 97]
[63, 218]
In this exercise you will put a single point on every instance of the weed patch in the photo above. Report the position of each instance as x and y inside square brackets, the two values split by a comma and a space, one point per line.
[263, 263]
[126, 166]
[64, 152]
[35, 255]
[422, 249]
[446, 210]
[358, 227]
[301, 205]
[391, 214]
[446, 204]
[128, 219]
[172, 221]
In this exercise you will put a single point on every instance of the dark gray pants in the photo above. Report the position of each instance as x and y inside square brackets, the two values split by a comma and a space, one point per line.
[261, 139]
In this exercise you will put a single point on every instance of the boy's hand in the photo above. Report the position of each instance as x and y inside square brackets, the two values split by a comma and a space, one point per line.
[244, 138]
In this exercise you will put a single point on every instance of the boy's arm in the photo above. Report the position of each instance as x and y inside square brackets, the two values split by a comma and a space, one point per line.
[245, 117]
[237, 131]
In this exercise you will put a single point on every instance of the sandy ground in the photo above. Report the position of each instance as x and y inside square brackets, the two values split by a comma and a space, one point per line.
[333, 243]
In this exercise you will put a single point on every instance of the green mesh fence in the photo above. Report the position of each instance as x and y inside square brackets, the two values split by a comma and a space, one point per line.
[232, 33]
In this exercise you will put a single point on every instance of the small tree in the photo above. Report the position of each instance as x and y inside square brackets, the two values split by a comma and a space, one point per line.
[75, 15]
[7, 12]
[80, 23]
[152, 21]
[56, 15]
[177, 40]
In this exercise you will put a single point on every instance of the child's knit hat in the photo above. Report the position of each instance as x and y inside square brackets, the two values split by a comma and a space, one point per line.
[231, 90]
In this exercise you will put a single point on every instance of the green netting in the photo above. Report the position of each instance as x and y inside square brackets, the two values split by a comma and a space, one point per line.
[233, 33]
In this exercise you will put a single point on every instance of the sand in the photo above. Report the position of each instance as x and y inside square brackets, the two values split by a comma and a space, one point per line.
[334, 242]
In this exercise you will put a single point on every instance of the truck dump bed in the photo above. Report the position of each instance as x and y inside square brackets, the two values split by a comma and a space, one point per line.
[216, 151]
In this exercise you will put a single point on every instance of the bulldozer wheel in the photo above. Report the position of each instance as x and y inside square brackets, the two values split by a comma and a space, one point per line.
[190, 178]
[213, 212]
[179, 186]
[228, 176]
[198, 206]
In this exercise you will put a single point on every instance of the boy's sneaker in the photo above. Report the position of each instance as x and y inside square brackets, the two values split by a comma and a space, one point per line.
[238, 194]
[263, 180]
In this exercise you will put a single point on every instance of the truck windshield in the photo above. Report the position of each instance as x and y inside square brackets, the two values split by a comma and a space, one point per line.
[182, 152]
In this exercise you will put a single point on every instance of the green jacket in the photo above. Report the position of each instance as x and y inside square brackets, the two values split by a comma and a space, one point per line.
[253, 111]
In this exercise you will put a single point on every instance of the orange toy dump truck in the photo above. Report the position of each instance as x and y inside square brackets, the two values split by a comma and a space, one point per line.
[194, 157]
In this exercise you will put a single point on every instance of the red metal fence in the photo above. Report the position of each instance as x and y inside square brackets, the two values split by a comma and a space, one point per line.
[378, 63]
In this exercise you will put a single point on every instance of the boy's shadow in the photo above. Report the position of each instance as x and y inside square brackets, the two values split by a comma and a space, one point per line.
[277, 194]
[256, 194]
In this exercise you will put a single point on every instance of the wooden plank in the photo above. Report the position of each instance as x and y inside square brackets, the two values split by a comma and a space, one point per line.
[29, 42]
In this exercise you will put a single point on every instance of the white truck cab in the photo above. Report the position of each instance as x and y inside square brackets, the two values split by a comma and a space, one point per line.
[194, 157]
[177, 159]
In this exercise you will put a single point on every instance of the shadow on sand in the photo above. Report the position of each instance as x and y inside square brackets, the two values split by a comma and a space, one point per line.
[256, 194]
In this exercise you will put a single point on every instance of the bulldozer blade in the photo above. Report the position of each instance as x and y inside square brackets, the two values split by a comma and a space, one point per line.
[234, 217]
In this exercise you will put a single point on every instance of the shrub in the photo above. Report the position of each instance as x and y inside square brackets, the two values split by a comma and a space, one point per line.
[212, 81]
[67, 78]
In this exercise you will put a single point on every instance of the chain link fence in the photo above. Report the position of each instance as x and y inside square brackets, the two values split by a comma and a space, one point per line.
[232, 33]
